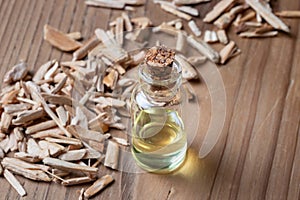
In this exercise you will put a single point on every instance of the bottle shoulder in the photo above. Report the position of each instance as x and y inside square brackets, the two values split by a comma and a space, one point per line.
[143, 101]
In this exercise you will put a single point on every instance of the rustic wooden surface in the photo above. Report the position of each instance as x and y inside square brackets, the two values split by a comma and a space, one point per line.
[258, 154]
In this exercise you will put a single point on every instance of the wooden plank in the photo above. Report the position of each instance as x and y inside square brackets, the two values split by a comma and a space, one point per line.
[293, 190]
[254, 82]
[11, 33]
[284, 172]
[264, 133]
[24, 25]
[239, 134]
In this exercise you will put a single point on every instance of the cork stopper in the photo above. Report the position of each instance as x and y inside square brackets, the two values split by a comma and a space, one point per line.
[159, 60]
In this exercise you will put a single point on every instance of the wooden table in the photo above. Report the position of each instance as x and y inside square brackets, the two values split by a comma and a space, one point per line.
[258, 153]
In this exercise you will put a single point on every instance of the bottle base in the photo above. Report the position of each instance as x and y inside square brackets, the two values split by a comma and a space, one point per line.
[159, 164]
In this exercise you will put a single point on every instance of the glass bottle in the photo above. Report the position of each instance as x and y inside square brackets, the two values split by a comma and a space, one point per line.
[158, 137]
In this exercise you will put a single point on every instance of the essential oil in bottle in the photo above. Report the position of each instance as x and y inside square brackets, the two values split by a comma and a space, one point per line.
[158, 137]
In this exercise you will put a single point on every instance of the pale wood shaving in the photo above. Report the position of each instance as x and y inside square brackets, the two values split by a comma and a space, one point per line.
[194, 28]
[51, 72]
[225, 20]
[253, 24]
[259, 18]
[13, 108]
[141, 22]
[250, 15]
[257, 35]
[218, 9]
[6, 120]
[85, 48]
[98, 185]
[127, 22]
[60, 85]
[62, 115]
[65, 140]
[91, 153]
[111, 79]
[40, 127]
[59, 39]
[2, 154]
[14, 182]
[64, 165]
[204, 49]
[133, 2]
[73, 155]
[25, 100]
[98, 146]
[18, 72]
[181, 40]
[112, 155]
[188, 10]
[289, 13]
[4, 144]
[34, 149]
[12, 143]
[53, 132]
[59, 172]
[97, 124]
[22, 145]
[54, 149]
[188, 2]
[119, 126]
[227, 51]
[173, 11]
[75, 35]
[222, 36]
[196, 60]
[173, 22]
[105, 3]
[121, 141]
[108, 101]
[111, 49]
[18, 132]
[9, 97]
[81, 194]
[77, 181]
[85, 134]
[272, 19]
[119, 30]
[130, 8]
[27, 157]
[188, 71]
[210, 36]
[25, 169]
[263, 29]
[166, 29]
[27, 116]
[179, 25]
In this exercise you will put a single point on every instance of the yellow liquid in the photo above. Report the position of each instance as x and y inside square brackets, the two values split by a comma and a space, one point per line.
[159, 142]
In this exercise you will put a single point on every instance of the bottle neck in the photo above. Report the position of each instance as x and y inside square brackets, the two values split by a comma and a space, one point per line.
[160, 84]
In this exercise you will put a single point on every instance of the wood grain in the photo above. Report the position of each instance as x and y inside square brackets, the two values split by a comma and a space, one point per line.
[258, 153]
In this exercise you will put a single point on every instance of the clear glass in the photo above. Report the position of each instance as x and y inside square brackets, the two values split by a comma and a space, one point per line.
[159, 141]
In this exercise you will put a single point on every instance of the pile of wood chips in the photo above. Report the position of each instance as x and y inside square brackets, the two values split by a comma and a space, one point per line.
[55, 123]
[250, 18]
